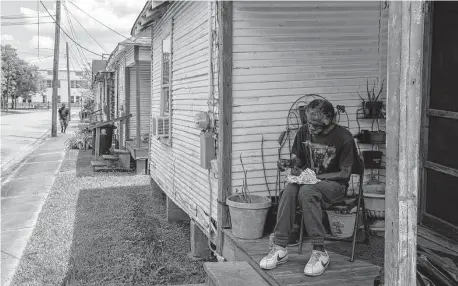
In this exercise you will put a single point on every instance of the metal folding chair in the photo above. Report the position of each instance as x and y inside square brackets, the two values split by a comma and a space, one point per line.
[357, 169]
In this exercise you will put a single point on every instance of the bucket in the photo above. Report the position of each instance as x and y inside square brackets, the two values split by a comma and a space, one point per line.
[375, 205]
[248, 219]
[377, 137]
[372, 158]
[372, 108]
[341, 225]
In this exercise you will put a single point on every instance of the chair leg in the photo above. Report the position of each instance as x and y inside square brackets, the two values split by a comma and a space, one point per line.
[301, 235]
[365, 222]
[355, 230]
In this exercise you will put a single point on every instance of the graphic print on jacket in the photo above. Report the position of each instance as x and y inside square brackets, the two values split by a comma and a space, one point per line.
[330, 152]
[322, 156]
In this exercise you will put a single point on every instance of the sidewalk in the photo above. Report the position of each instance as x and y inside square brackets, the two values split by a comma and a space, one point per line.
[23, 195]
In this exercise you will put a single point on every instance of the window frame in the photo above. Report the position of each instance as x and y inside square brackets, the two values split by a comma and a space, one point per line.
[166, 32]
[169, 84]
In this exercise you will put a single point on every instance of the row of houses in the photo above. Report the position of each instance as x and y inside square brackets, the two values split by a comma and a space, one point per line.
[208, 83]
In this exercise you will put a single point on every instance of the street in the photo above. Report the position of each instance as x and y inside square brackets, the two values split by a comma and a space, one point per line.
[18, 134]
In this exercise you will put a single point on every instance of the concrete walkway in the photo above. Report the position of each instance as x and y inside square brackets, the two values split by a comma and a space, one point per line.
[23, 195]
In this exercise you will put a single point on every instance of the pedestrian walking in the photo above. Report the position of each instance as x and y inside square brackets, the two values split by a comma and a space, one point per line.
[63, 116]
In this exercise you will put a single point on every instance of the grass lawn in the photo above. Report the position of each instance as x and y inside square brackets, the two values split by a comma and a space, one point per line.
[105, 229]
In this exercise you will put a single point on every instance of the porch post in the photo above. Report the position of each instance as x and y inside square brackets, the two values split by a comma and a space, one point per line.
[107, 95]
[405, 30]
[127, 99]
[137, 93]
[225, 116]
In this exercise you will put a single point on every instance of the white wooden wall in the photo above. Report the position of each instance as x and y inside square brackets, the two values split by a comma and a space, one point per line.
[176, 167]
[283, 50]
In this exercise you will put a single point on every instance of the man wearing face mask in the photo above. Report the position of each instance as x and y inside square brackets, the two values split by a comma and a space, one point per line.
[333, 153]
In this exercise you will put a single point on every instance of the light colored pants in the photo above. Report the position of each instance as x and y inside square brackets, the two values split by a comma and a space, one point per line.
[63, 123]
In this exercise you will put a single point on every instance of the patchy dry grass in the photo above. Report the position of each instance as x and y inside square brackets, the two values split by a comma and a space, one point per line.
[105, 229]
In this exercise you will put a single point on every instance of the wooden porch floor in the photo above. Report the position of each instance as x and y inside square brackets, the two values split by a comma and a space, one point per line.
[340, 272]
[137, 153]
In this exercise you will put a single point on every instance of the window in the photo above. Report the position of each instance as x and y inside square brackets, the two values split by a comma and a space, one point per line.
[81, 84]
[78, 73]
[166, 75]
[49, 83]
[72, 99]
[58, 99]
[77, 99]
[49, 72]
[59, 84]
[73, 84]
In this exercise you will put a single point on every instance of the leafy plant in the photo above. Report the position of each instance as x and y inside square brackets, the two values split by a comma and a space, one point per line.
[80, 139]
[244, 194]
[372, 95]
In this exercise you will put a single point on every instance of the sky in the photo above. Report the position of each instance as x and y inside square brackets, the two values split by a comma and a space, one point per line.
[119, 15]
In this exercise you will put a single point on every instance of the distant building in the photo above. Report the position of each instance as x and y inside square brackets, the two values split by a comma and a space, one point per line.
[77, 84]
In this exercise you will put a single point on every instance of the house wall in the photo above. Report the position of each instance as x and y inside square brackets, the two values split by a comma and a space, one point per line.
[283, 50]
[145, 99]
[176, 167]
[143, 55]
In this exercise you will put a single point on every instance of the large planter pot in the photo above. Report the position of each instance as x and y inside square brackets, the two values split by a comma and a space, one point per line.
[248, 219]
[372, 108]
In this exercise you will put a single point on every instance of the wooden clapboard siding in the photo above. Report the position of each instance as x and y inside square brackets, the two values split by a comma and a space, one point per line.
[283, 50]
[145, 99]
[176, 166]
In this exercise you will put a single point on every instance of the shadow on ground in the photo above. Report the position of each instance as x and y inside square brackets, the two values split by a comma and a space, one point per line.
[121, 237]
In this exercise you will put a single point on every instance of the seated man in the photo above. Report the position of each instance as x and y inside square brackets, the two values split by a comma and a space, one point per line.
[333, 154]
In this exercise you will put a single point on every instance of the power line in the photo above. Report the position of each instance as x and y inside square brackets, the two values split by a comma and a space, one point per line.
[66, 32]
[13, 17]
[72, 30]
[24, 23]
[70, 14]
[98, 21]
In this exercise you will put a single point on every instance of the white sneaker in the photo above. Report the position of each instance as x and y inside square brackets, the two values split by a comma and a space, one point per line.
[317, 264]
[277, 255]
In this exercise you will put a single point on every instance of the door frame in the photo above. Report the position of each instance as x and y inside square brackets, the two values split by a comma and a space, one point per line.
[424, 218]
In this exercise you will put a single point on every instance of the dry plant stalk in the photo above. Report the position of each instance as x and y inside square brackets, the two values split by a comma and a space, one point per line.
[245, 193]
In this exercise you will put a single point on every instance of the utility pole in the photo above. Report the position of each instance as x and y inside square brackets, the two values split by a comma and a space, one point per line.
[68, 79]
[55, 76]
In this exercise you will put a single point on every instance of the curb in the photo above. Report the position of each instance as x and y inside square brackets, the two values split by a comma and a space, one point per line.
[10, 166]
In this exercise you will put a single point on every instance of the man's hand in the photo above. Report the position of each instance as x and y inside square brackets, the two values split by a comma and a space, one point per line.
[296, 171]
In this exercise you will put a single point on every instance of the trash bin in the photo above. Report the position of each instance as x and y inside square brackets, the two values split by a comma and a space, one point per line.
[106, 138]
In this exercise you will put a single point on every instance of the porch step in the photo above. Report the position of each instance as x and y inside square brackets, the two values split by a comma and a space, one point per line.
[98, 163]
[232, 273]
[110, 157]
[121, 151]
[110, 169]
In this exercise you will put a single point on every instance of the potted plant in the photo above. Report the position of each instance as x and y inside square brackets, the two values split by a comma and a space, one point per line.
[372, 106]
[248, 212]
[372, 158]
[377, 137]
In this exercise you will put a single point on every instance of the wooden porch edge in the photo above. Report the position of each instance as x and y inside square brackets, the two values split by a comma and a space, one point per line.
[232, 252]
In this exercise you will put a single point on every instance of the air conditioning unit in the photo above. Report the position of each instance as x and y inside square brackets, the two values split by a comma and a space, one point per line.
[161, 127]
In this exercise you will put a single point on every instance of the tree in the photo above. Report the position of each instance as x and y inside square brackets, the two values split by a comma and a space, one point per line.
[9, 69]
[87, 93]
[19, 78]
